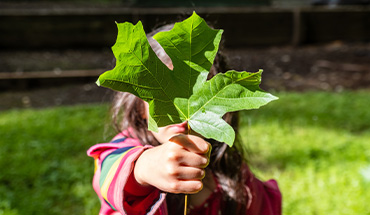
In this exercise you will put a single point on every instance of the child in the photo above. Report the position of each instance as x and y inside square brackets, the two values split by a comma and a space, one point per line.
[143, 172]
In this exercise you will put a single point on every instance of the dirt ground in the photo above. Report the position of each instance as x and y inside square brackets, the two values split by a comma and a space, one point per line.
[331, 67]
[334, 67]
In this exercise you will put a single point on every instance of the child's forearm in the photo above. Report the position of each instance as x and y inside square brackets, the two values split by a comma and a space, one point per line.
[140, 170]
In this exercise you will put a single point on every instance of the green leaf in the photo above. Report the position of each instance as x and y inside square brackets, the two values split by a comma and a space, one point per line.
[139, 71]
[232, 91]
[182, 94]
[192, 47]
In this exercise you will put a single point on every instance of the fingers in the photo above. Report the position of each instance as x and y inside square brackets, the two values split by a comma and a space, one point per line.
[187, 158]
[188, 163]
[186, 173]
[187, 187]
[192, 143]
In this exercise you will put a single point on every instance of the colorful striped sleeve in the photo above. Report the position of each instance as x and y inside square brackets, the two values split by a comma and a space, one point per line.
[114, 181]
[109, 169]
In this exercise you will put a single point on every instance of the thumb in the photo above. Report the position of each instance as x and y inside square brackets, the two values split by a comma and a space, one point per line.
[192, 143]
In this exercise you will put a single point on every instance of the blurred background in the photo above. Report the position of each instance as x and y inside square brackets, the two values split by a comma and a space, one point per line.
[315, 55]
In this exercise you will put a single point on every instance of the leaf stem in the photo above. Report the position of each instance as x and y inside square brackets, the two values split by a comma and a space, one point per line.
[186, 195]
[186, 204]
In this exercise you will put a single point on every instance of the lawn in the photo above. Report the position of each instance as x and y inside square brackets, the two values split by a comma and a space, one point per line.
[315, 144]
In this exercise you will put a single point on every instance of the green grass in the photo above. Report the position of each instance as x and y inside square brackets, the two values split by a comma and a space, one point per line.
[43, 162]
[316, 145]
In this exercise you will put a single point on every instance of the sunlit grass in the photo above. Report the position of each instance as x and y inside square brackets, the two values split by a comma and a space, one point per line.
[316, 145]
[43, 162]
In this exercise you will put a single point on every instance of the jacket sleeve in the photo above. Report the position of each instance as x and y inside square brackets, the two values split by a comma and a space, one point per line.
[264, 197]
[114, 181]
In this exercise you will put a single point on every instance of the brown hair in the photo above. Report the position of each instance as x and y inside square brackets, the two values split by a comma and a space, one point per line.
[226, 162]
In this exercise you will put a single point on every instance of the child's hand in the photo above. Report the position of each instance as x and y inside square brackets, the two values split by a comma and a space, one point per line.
[176, 166]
